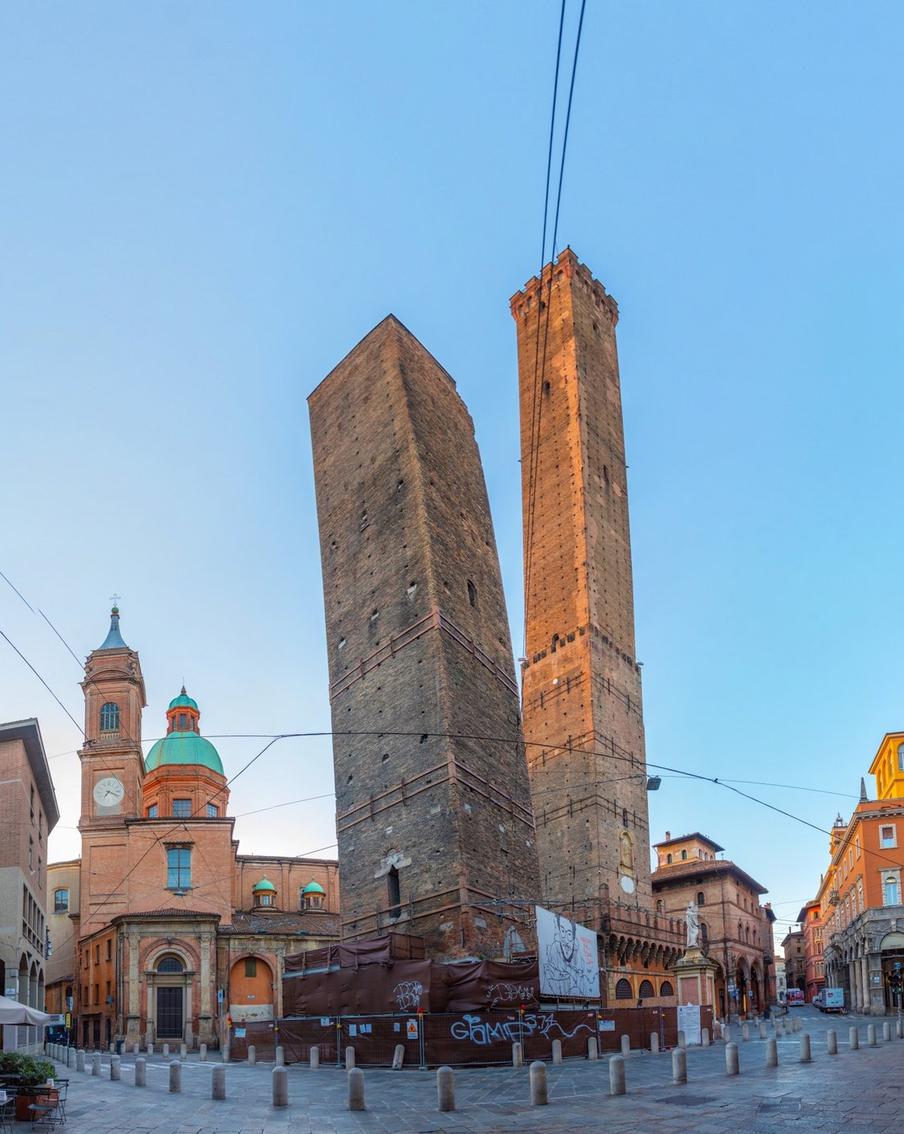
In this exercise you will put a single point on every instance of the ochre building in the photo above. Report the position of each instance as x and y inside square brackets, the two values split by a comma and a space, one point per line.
[435, 831]
[178, 936]
[581, 680]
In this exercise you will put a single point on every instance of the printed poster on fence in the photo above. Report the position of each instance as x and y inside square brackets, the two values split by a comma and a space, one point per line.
[569, 963]
[689, 1023]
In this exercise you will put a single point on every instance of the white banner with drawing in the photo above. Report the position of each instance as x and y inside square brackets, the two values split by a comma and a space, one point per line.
[569, 962]
[689, 1023]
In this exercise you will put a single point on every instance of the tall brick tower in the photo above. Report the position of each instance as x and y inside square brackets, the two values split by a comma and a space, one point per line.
[435, 831]
[581, 681]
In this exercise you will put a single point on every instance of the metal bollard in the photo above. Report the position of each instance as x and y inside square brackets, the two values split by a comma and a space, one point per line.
[280, 1056]
[626, 1045]
[682, 1040]
[617, 1075]
[445, 1089]
[805, 1053]
[95, 1063]
[252, 1055]
[356, 1089]
[871, 1035]
[202, 1053]
[398, 1057]
[654, 1042]
[732, 1060]
[539, 1094]
[772, 1052]
[175, 1077]
[115, 1068]
[593, 1048]
[349, 1058]
[517, 1055]
[886, 1031]
[831, 1042]
[557, 1051]
[218, 1083]
[80, 1060]
[141, 1072]
[853, 1039]
[280, 1086]
[314, 1056]
[679, 1065]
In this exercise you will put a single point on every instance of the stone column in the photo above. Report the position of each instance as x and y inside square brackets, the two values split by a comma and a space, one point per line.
[205, 1030]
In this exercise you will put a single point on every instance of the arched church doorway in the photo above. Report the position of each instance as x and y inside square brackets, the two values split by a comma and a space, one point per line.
[170, 990]
[251, 990]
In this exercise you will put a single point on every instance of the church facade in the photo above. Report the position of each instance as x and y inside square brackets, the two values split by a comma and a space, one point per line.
[179, 937]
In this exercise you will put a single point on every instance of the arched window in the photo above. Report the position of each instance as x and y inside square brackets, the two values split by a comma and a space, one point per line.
[395, 893]
[109, 717]
[170, 964]
[668, 859]
[645, 990]
[701, 898]
[623, 990]
[665, 989]
[704, 933]
[660, 905]
[683, 855]
[901, 757]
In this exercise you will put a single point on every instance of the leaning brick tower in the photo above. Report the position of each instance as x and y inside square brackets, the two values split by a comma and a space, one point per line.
[581, 692]
[435, 830]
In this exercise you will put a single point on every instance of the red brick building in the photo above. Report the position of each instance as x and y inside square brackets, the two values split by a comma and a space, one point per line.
[177, 933]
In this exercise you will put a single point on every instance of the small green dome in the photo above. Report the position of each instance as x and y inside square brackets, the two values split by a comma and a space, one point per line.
[313, 888]
[183, 701]
[264, 884]
[184, 748]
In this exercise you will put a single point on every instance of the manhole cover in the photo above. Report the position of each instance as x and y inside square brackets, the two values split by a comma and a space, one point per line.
[686, 1100]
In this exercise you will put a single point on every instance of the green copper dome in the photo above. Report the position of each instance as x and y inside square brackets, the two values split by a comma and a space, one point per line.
[184, 748]
[183, 701]
[313, 888]
[264, 884]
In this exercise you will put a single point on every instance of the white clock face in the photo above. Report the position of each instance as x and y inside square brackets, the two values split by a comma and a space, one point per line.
[627, 884]
[109, 792]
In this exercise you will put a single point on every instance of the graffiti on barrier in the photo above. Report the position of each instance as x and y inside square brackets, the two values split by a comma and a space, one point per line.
[484, 1032]
[407, 995]
[510, 993]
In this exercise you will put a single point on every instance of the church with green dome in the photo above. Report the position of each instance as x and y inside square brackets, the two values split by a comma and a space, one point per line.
[195, 932]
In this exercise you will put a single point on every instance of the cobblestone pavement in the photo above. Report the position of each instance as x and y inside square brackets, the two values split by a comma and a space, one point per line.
[854, 1091]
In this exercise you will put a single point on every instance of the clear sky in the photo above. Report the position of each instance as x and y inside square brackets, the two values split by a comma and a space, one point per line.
[204, 206]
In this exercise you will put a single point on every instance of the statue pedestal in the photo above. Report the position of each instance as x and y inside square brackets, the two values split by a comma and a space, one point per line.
[695, 979]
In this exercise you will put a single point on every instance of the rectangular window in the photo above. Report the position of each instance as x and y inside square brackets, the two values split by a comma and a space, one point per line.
[178, 868]
[212, 811]
[250, 966]
[182, 808]
[97, 954]
[857, 845]
[60, 901]
[97, 994]
[152, 811]
[887, 837]
[109, 949]
[891, 892]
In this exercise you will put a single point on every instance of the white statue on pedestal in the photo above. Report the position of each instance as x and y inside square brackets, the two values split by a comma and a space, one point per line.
[692, 917]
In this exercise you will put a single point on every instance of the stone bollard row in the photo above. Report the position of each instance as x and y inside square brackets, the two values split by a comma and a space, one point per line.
[218, 1084]
[853, 1039]
[175, 1077]
[183, 1051]
[745, 1032]
[682, 1040]
[539, 1093]
[165, 1050]
[871, 1035]
[136, 1048]
[617, 1075]
[280, 1056]
[349, 1058]
[593, 1048]
[115, 1068]
[831, 1042]
[80, 1060]
[202, 1053]
[654, 1042]
[398, 1057]
[626, 1045]
[141, 1072]
[280, 1086]
[70, 1061]
[726, 1033]
[445, 1089]
[704, 1037]
[886, 1031]
[772, 1052]
[314, 1056]
[517, 1055]
[899, 1028]
[557, 1051]
[356, 1088]
[762, 1029]
[252, 1055]
[95, 1063]
[806, 1055]
[732, 1060]
[679, 1065]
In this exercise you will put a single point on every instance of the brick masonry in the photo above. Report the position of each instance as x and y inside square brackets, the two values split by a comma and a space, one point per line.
[435, 831]
[582, 702]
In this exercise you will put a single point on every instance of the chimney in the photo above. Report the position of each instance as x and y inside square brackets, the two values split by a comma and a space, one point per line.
[668, 835]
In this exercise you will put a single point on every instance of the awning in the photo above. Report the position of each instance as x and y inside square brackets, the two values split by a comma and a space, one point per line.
[12, 1012]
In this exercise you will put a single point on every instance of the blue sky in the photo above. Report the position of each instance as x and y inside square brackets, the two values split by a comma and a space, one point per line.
[205, 206]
